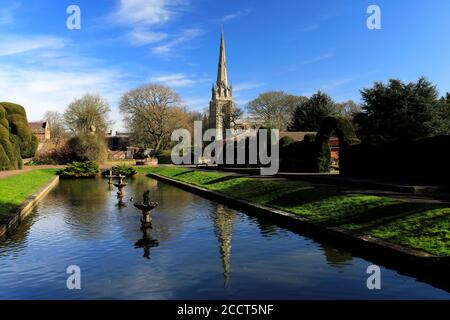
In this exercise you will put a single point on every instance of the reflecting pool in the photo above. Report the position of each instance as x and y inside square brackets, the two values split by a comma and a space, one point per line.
[197, 249]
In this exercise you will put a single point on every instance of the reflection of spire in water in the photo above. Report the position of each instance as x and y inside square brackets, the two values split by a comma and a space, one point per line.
[146, 242]
[223, 219]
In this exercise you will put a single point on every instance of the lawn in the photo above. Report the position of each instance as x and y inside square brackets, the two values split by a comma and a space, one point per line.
[15, 189]
[416, 225]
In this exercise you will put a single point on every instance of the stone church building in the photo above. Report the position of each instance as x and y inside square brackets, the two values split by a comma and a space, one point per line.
[221, 106]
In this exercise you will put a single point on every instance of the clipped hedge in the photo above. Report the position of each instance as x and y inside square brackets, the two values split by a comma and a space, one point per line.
[16, 138]
[313, 154]
[425, 160]
[18, 126]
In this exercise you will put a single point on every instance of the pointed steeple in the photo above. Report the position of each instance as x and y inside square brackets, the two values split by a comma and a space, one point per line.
[222, 76]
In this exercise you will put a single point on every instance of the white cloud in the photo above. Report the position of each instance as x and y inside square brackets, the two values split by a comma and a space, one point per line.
[147, 17]
[147, 12]
[186, 36]
[40, 90]
[46, 73]
[236, 15]
[176, 80]
[318, 58]
[141, 37]
[247, 86]
[16, 44]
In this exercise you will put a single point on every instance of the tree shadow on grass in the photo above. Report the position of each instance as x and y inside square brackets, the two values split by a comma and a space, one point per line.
[390, 214]
[221, 179]
[306, 194]
[183, 173]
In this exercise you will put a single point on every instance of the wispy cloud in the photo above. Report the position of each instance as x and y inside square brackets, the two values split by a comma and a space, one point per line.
[147, 21]
[236, 15]
[141, 37]
[40, 90]
[175, 80]
[184, 37]
[7, 13]
[247, 86]
[147, 12]
[17, 44]
[47, 73]
[318, 58]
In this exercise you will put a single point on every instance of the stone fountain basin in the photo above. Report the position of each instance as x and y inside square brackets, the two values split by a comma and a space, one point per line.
[146, 208]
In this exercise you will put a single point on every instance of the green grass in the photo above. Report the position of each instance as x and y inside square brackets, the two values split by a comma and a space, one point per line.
[15, 189]
[416, 225]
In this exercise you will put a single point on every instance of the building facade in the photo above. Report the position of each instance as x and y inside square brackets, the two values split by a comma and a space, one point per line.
[41, 129]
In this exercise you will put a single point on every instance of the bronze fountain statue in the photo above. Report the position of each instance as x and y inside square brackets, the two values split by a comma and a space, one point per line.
[120, 192]
[146, 207]
[147, 242]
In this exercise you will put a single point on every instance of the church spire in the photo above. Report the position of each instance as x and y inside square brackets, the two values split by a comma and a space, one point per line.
[222, 76]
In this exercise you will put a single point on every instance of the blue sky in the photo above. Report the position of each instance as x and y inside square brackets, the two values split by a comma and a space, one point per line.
[291, 45]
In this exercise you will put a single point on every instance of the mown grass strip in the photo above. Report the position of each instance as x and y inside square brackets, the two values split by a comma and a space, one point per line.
[420, 226]
[15, 189]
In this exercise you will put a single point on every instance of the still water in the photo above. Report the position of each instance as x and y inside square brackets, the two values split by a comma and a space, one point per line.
[197, 249]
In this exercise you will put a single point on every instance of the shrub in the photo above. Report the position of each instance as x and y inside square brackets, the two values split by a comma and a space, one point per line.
[54, 155]
[124, 170]
[88, 147]
[313, 154]
[164, 157]
[86, 169]
[285, 141]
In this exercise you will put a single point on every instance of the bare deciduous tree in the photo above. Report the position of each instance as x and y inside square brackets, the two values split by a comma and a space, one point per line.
[58, 133]
[151, 113]
[87, 113]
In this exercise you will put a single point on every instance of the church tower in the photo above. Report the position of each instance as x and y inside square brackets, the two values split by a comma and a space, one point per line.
[221, 104]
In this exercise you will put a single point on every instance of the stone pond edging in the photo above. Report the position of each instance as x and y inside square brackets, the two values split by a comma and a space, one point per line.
[389, 254]
[10, 221]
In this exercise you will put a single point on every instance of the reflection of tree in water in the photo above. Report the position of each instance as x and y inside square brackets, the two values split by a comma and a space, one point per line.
[337, 258]
[83, 203]
[223, 219]
[146, 242]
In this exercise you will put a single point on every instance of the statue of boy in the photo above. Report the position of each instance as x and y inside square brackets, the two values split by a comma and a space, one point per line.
[146, 198]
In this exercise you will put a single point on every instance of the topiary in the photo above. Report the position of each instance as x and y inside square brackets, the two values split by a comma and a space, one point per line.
[18, 127]
[344, 130]
[8, 156]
